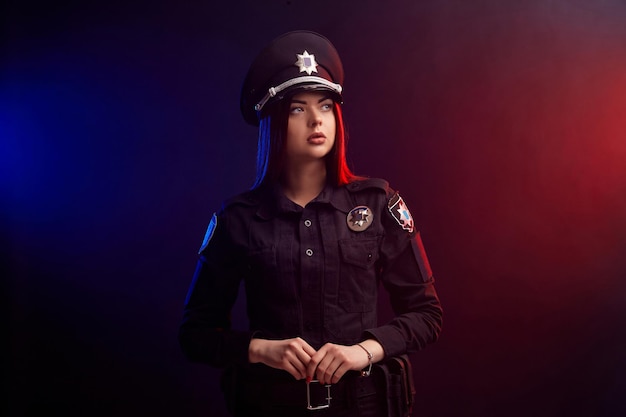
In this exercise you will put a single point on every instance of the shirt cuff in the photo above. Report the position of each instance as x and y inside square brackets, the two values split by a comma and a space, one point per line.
[389, 338]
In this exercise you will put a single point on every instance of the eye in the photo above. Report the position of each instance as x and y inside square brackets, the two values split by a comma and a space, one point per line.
[326, 106]
[296, 109]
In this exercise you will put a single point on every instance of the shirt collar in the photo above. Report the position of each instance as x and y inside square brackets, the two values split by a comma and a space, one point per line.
[341, 199]
[273, 200]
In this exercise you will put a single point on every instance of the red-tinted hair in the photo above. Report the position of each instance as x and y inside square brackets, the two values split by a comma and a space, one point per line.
[271, 147]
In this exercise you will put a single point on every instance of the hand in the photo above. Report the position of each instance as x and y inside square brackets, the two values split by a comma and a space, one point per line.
[332, 361]
[291, 355]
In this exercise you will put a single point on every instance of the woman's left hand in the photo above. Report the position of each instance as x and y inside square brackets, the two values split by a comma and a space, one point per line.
[332, 361]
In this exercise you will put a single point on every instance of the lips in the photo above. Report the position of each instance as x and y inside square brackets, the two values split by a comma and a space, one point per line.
[316, 138]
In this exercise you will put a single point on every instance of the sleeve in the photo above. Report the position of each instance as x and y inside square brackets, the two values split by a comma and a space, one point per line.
[406, 275]
[205, 333]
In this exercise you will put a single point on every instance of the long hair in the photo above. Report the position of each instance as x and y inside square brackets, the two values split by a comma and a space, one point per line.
[271, 147]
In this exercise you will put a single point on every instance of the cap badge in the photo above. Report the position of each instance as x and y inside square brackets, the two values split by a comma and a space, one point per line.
[306, 63]
[360, 218]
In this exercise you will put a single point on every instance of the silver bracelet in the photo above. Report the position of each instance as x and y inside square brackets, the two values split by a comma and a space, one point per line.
[369, 358]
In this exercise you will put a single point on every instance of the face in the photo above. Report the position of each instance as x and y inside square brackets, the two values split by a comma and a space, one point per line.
[310, 127]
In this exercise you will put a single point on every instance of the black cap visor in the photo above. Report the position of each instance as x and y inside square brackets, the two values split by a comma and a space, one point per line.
[305, 83]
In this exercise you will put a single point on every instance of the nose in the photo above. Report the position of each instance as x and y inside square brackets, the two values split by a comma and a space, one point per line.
[315, 117]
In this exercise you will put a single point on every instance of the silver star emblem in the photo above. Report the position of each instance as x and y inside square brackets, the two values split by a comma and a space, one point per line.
[306, 63]
[359, 218]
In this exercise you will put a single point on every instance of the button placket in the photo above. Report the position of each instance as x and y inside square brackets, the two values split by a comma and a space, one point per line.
[308, 223]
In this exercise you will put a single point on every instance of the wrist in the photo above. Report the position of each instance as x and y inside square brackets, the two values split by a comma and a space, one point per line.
[375, 348]
[253, 350]
[370, 357]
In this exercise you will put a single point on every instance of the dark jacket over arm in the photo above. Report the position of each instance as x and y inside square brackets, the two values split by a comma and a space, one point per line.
[308, 274]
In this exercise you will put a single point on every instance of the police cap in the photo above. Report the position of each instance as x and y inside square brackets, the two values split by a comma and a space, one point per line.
[295, 61]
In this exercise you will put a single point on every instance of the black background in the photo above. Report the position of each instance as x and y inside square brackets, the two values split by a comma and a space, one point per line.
[502, 123]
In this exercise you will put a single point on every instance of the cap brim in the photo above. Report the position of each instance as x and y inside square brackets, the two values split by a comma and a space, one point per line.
[300, 88]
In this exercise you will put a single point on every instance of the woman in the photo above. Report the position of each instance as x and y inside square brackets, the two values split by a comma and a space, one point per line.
[311, 241]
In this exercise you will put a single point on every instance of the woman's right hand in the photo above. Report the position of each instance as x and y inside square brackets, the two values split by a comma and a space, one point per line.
[291, 355]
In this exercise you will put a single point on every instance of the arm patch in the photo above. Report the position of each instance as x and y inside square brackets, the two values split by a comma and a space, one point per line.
[400, 212]
[209, 233]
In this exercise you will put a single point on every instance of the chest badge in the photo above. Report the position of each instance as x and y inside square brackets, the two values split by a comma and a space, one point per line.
[360, 218]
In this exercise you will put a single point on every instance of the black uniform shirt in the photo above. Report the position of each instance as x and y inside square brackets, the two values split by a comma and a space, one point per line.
[308, 274]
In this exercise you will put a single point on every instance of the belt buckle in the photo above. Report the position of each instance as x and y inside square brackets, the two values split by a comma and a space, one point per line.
[308, 397]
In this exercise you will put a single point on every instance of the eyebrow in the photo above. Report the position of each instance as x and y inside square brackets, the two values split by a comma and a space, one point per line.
[304, 102]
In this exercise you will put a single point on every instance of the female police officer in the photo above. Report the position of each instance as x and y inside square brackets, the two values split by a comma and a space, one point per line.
[311, 241]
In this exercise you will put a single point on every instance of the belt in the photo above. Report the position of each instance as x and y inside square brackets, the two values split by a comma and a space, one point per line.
[292, 393]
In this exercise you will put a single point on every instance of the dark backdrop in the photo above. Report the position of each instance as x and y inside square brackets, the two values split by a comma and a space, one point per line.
[502, 123]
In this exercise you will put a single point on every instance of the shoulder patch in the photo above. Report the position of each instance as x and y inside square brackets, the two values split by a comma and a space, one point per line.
[400, 212]
[209, 233]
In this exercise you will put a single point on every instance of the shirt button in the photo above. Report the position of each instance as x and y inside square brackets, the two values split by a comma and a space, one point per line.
[307, 223]
[309, 252]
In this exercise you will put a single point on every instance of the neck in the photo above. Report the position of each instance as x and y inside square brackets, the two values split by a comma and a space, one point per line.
[303, 182]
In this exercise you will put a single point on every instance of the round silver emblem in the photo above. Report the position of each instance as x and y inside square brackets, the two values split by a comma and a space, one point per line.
[360, 218]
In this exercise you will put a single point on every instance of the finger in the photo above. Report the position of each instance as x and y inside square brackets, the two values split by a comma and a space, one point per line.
[314, 362]
[292, 361]
[308, 349]
[312, 367]
[293, 370]
[326, 369]
[327, 354]
[295, 363]
[302, 353]
[303, 360]
[299, 358]
[340, 372]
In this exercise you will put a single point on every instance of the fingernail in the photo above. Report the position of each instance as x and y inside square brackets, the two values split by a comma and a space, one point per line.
[308, 379]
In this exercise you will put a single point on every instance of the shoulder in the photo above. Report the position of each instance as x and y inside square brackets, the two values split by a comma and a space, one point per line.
[370, 185]
[392, 203]
[251, 198]
[231, 220]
